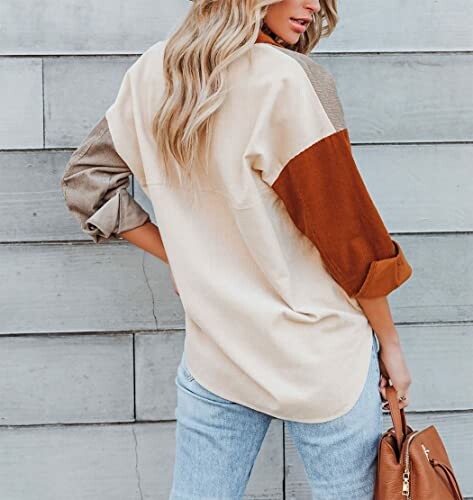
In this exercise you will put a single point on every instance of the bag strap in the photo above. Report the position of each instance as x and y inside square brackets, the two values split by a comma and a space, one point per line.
[450, 476]
[400, 427]
[397, 416]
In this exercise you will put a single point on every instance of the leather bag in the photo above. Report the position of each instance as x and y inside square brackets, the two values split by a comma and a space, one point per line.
[412, 464]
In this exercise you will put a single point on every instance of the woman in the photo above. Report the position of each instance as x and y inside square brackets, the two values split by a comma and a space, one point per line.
[277, 252]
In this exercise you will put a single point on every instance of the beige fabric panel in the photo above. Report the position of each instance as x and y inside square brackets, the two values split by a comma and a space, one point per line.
[94, 186]
[266, 324]
[324, 85]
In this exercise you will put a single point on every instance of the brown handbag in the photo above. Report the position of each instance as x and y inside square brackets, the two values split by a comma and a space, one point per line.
[412, 465]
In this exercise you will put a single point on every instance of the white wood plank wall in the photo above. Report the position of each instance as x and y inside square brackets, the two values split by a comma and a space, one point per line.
[90, 335]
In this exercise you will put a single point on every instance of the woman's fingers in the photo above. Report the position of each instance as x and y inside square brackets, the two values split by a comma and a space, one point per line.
[402, 404]
[382, 389]
[383, 382]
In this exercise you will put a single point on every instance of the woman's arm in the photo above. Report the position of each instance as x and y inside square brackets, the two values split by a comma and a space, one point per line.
[379, 315]
[392, 363]
[94, 186]
[148, 238]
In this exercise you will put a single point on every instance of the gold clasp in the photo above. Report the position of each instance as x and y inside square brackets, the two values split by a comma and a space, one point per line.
[426, 451]
[405, 484]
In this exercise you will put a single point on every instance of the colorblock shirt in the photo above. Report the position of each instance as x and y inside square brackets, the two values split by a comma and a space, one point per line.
[283, 240]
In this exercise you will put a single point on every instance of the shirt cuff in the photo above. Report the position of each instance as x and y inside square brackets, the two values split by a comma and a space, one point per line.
[120, 213]
[385, 275]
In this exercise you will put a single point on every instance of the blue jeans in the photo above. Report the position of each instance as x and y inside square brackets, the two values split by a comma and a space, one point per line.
[217, 442]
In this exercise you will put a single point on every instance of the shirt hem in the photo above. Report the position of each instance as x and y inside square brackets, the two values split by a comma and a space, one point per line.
[219, 391]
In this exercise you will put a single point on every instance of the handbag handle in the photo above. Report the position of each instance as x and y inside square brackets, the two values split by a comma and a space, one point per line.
[400, 427]
[397, 416]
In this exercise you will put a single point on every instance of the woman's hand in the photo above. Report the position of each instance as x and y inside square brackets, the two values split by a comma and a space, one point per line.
[393, 366]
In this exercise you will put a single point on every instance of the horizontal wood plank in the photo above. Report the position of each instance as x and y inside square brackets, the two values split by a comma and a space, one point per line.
[33, 204]
[86, 27]
[89, 378]
[77, 92]
[21, 102]
[112, 462]
[416, 188]
[157, 357]
[56, 288]
[66, 379]
[372, 26]
[115, 26]
[405, 97]
[85, 288]
[423, 97]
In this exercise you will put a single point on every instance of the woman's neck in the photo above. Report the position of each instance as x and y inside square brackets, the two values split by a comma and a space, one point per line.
[266, 34]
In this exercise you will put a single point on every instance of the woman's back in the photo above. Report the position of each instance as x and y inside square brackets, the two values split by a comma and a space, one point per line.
[262, 309]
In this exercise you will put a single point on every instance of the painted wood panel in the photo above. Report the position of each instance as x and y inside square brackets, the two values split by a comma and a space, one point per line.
[85, 288]
[405, 98]
[21, 102]
[77, 92]
[86, 27]
[417, 188]
[53, 288]
[420, 188]
[430, 98]
[157, 357]
[372, 26]
[112, 462]
[90, 378]
[33, 205]
[66, 379]
[57, 27]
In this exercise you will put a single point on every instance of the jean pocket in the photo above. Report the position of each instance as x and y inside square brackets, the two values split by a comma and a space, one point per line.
[186, 381]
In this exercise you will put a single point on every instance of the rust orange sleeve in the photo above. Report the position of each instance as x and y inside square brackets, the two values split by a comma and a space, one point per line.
[325, 196]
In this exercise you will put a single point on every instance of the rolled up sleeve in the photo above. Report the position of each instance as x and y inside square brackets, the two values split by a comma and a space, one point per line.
[328, 200]
[94, 186]
[301, 148]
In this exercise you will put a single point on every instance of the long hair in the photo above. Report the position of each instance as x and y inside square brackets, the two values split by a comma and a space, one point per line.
[212, 35]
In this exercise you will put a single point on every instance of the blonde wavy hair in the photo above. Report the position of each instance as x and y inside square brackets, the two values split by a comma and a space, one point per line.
[212, 35]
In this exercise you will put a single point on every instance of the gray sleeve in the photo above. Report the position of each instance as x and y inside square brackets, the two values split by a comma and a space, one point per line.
[94, 185]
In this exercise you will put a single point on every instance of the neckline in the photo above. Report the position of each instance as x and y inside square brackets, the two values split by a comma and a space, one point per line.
[265, 38]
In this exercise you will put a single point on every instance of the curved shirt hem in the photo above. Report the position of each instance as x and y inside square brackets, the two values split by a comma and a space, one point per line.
[220, 391]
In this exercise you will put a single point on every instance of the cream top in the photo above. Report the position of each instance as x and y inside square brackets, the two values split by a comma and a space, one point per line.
[270, 323]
